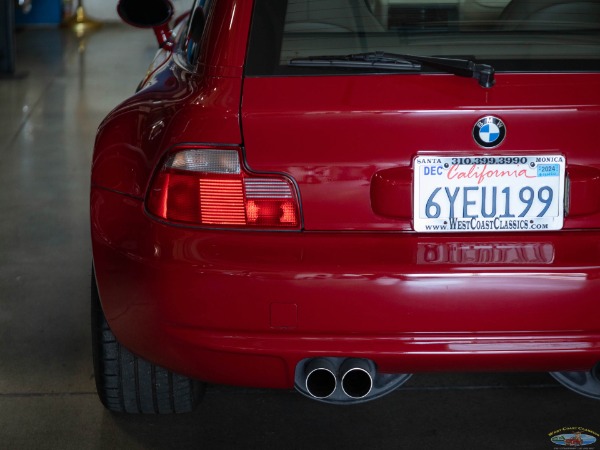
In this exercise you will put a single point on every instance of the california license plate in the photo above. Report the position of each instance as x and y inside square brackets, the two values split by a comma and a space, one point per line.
[488, 193]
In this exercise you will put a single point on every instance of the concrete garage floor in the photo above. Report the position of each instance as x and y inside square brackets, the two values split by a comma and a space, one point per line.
[48, 119]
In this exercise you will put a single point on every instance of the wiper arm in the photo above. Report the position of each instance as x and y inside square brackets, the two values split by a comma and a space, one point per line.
[484, 73]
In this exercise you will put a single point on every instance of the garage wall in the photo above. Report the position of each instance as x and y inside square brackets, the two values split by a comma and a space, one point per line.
[105, 10]
[44, 12]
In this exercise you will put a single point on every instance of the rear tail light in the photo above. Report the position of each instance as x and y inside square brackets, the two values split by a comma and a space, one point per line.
[209, 187]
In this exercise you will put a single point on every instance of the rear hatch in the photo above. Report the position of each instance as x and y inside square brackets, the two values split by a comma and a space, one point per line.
[414, 146]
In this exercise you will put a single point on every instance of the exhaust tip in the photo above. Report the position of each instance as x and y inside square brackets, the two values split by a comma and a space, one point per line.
[357, 377]
[320, 378]
[342, 380]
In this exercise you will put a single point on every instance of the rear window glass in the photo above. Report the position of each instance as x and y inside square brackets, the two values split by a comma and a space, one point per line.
[512, 35]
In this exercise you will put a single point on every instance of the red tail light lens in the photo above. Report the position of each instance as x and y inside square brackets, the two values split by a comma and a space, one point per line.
[209, 187]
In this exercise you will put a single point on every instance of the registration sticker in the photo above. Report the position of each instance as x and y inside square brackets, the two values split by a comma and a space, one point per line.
[488, 193]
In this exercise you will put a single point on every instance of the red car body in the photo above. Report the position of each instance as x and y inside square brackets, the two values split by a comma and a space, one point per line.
[353, 280]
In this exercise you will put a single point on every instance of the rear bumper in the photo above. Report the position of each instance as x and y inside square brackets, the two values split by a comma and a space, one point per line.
[244, 308]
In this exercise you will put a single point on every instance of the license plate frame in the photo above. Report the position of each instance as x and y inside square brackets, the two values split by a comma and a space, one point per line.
[488, 193]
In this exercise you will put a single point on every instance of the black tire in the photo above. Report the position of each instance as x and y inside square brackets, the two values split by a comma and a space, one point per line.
[128, 384]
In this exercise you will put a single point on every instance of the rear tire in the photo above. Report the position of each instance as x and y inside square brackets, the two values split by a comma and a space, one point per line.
[129, 384]
[584, 383]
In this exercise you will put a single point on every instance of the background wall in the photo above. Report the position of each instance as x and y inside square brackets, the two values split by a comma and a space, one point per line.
[48, 12]
[105, 10]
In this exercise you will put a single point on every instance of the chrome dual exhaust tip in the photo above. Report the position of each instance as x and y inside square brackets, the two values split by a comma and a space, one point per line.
[343, 381]
[354, 375]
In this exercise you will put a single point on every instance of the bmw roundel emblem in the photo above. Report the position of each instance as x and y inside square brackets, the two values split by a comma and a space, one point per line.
[489, 131]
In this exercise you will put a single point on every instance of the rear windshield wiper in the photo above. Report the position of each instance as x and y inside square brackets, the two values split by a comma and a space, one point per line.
[484, 73]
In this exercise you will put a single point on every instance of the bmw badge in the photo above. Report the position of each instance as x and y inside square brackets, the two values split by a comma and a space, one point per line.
[489, 131]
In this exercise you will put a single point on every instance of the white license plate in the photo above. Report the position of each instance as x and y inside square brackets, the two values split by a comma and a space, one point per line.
[488, 193]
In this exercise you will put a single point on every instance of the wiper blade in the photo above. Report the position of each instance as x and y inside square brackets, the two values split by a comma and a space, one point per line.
[484, 73]
[379, 60]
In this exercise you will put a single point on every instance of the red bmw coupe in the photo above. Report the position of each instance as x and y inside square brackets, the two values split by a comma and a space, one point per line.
[332, 195]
